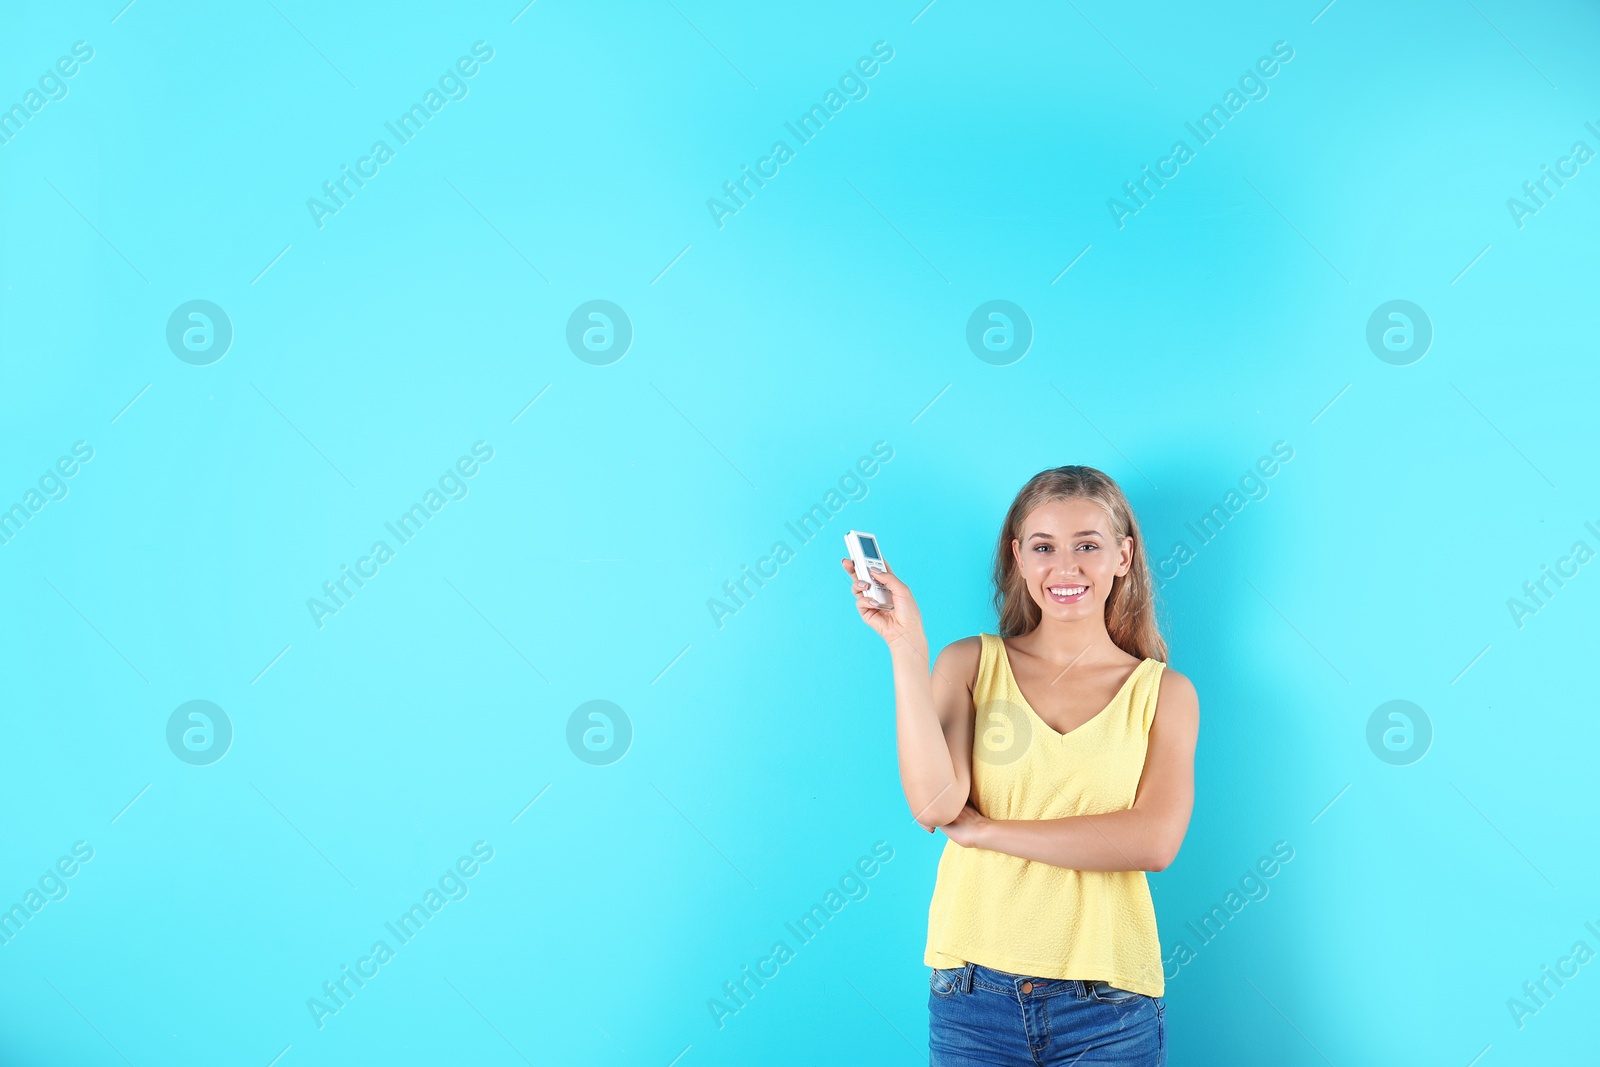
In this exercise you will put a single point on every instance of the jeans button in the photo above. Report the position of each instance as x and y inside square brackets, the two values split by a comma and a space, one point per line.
[1027, 987]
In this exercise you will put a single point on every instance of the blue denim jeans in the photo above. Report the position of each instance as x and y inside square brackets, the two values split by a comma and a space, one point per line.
[981, 1017]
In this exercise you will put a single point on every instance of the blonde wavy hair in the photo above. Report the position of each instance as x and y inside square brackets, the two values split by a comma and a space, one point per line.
[1130, 608]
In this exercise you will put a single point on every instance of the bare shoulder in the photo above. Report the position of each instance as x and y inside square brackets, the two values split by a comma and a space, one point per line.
[959, 660]
[1177, 696]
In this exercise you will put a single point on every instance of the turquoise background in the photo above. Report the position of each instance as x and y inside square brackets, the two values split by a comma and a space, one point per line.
[830, 313]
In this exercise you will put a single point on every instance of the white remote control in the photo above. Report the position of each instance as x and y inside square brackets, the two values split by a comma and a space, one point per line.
[863, 548]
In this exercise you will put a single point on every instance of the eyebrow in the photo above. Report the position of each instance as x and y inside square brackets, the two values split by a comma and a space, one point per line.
[1080, 533]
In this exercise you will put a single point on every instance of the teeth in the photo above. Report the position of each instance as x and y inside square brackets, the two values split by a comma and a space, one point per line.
[1067, 590]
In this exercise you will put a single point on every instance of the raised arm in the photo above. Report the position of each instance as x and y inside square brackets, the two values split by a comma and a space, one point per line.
[1145, 837]
[939, 800]
[933, 715]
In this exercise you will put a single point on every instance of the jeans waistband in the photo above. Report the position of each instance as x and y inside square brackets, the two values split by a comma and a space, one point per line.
[976, 974]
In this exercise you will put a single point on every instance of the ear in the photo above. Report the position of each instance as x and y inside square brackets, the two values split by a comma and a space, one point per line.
[1126, 563]
[1016, 551]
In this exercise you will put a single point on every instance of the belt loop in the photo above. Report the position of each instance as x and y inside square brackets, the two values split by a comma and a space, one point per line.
[966, 978]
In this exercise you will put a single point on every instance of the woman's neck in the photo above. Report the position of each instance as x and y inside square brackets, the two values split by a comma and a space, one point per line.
[1068, 643]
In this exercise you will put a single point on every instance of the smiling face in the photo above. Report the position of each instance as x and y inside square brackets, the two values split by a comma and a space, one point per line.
[1068, 557]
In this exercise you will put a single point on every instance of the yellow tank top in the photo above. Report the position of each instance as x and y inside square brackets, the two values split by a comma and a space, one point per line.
[1028, 917]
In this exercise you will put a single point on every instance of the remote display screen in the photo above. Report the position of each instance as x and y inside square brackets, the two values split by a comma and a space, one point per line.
[869, 548]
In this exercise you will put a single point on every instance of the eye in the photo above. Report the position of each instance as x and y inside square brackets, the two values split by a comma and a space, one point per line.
[1041, 548]
[1088, 544]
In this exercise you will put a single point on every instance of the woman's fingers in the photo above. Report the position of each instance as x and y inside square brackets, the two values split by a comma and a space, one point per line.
[856, 584]
[884, 577]
[874, 614]
[888, 578]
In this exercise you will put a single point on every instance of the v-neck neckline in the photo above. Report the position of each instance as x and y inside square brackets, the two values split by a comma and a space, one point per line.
[1005, 658]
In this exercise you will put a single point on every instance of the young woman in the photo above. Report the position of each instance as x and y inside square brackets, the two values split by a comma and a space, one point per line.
[1058, 757]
